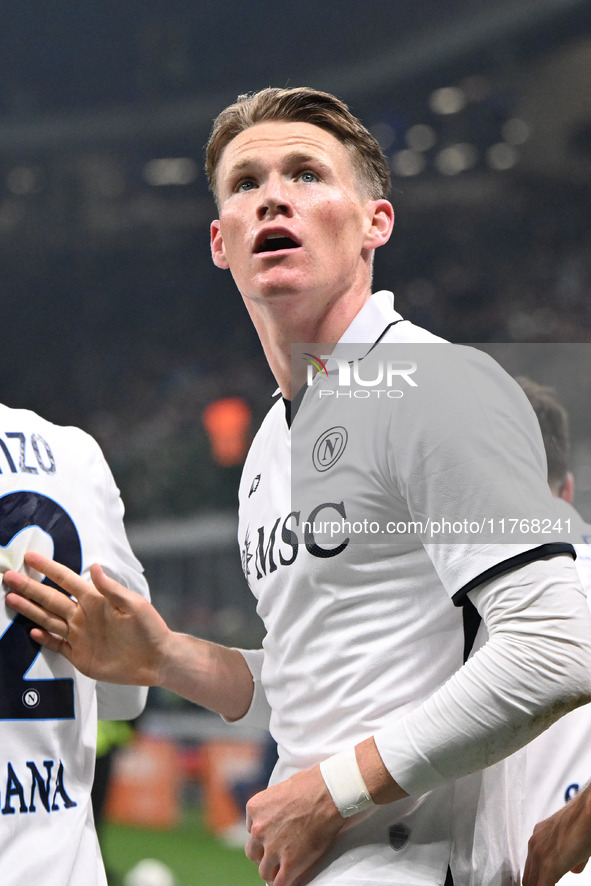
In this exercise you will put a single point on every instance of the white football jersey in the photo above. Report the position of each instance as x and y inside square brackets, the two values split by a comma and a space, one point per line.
[559, 760]
[355, 584]
[57, 497]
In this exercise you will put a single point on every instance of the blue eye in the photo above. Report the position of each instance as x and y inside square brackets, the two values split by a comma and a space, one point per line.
[308, 176]
[245, 185]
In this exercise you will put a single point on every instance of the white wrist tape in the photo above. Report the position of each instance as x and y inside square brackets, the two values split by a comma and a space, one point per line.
[345, 783]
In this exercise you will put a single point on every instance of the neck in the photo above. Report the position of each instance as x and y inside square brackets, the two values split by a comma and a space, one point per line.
[287, 322]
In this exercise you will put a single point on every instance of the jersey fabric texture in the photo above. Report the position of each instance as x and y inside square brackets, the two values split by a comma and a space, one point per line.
[57, 497]
[559, 760]
[361, 629]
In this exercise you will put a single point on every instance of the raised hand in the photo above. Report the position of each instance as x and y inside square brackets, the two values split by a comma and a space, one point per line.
[105, 630]
[114, 635]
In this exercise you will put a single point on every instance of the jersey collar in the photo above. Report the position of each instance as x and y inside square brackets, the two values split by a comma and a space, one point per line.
[376, 314]
[368, 325]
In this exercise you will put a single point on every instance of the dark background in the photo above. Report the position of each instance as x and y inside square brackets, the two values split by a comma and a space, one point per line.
[115, 319]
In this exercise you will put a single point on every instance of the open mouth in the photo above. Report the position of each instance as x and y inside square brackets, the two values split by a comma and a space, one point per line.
[274, 244]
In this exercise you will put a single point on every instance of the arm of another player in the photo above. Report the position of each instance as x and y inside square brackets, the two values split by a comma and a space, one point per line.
[113, 634]
[108, 544]
[561, 843]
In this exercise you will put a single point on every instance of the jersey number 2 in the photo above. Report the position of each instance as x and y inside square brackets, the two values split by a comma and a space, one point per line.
[21, 698]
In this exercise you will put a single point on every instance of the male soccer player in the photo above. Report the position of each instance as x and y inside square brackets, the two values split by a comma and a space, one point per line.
[389, 746]
[57, 495]
[559, 760]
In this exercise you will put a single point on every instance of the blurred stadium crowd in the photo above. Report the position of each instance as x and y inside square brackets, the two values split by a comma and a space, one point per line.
[114, 317]
[134, 344]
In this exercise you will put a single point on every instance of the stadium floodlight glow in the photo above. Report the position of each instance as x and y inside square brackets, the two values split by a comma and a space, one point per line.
[501, 156]
[408, 163]
[384, 134]
[420, 137]
[456, 158]
[168, 171]
[447, 100]
[516, 131]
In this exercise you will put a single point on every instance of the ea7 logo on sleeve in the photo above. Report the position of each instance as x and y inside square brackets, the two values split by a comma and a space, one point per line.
[329, 447]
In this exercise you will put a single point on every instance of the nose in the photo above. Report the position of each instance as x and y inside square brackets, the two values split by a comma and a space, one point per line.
[274, 198]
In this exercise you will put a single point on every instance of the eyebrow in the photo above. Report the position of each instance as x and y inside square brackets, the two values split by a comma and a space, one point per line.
[295, 158]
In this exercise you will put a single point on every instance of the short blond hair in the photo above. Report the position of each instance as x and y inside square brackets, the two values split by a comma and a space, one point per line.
[305, 105]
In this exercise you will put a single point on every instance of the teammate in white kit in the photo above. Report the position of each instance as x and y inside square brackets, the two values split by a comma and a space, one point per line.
[559, 761]
[389, 746]
[58, 496]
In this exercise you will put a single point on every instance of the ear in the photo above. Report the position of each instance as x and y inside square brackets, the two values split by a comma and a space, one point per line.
[218, 252]
[567, 491]
[381, 223]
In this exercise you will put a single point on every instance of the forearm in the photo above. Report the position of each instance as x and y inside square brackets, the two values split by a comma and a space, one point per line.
[114, 635]
[213, 676]
[535, 667]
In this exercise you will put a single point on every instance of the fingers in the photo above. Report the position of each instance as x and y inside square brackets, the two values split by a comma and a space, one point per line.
[116, 594]
[46, 607]
[73, 583]
[54, 602]
[41, 617]
[268, 872]
[271, 869]
[268, 867]
[529, 875]
[61, 575]
[255, 852]
[51, 642]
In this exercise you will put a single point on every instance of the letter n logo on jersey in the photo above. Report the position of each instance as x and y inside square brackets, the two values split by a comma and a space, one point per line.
[329, 447]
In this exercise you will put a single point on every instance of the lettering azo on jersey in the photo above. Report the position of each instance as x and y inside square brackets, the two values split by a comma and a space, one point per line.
[25, 453]
[34, 789]
[278, 544]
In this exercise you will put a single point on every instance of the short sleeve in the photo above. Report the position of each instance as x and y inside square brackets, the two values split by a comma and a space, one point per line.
[468, 458]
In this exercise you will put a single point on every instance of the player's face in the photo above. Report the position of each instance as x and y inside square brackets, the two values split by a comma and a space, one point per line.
[293, 215]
